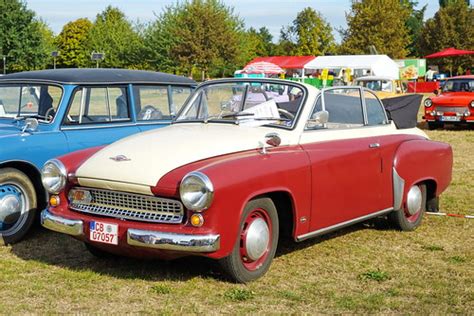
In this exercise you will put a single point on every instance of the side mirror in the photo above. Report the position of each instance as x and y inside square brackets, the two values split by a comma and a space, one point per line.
[436, 92]
[273, 139]
[31, 125]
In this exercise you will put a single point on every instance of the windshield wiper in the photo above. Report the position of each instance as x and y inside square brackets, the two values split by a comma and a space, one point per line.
[22, 118]
[283, 119]
[237, 114]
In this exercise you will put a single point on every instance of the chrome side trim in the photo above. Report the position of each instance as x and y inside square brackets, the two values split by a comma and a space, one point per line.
[398, 188]
[173, 241]
[61, 225]
[329, 229]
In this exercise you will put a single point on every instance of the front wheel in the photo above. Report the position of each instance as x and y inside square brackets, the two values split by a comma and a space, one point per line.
[409, 217]
[256, 243]
[17, 205]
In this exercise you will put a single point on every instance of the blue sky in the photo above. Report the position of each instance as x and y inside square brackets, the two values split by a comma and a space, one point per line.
[270, 13]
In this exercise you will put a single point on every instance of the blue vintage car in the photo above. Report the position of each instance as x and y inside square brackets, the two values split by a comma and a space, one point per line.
[44, 114]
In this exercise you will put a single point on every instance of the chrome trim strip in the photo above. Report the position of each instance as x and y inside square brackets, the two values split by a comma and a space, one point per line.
[329, 229]
[61, 225]
[173, 241]
[398, 188]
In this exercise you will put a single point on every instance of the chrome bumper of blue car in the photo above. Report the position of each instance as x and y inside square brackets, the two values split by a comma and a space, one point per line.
[138, 237]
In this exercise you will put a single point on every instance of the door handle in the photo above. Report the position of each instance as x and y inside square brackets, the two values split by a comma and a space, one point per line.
[374, 145]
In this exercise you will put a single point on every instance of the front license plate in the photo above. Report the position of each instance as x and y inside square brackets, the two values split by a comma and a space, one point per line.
[104, 232]
[450, 118]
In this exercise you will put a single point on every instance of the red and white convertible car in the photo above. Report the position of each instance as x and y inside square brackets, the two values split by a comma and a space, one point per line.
[244, 163]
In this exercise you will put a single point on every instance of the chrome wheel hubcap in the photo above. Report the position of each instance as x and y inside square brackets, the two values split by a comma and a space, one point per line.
[258, 238]
[12, 206]
[414, 200]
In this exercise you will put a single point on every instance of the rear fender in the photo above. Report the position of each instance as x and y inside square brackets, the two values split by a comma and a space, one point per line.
[418, 161]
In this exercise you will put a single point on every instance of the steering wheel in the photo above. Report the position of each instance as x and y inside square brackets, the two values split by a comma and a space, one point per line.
[50, 113]
[149, 112]
[286, 114]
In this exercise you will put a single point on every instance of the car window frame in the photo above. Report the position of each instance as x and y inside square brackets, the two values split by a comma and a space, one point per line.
[298, 116]
[364, 109]
[27, 82]
[129, 121]
[169, 90]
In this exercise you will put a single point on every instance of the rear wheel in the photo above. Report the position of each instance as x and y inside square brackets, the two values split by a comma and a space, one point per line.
[409, 217]
[256, 244]
[17, 205]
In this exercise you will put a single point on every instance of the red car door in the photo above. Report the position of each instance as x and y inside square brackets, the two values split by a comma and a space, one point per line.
[346, 162]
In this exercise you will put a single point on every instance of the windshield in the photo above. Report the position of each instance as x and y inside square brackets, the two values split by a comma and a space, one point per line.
[376, 85]
[29, 100]
[459, 85]
[252, 103]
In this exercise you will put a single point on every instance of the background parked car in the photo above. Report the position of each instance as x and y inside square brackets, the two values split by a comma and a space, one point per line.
[453, 104]
[48, 113]
[241, 167]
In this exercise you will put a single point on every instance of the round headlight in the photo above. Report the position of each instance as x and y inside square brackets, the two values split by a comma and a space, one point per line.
[53, 176]
[197, 191]
[428, 103]
[472, 104]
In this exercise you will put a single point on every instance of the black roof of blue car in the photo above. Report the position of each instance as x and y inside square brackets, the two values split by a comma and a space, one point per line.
[98, 76]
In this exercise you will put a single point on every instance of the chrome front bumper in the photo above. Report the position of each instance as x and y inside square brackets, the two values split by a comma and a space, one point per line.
[62, 225]
[138, 237]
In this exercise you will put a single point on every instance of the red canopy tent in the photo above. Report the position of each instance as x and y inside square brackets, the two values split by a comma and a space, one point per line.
[450, 52]
[286, 62]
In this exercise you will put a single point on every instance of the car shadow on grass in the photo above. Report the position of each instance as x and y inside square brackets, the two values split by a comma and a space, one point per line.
[288, 245]
[63, 251]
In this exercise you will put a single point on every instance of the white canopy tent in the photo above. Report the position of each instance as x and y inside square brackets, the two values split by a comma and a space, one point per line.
[376, 65]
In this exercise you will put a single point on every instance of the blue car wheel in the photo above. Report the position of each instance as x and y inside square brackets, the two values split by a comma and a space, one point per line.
[17, 205]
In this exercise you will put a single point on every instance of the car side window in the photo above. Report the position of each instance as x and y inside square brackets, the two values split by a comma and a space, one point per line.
[152, 103]
[93, 105]
[179, 95]
[375, 111]
[344, 107]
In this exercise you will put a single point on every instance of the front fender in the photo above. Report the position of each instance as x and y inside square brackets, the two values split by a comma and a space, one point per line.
[240, 177]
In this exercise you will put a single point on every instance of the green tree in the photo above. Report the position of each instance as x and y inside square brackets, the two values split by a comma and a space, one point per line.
[198, 35]
[20, 36]
[72, 44]
[414, 24]
[377, 23]
[309, 34]
[115, 36]
[451, 26]
[443, 3]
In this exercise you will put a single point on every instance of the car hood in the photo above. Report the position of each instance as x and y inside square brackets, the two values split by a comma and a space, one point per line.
[454, 98]
[142, 159]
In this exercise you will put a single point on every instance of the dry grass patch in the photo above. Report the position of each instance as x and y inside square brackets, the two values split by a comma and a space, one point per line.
[368, 268]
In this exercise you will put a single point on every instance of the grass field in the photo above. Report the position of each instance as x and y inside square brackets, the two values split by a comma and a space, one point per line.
[368, 268]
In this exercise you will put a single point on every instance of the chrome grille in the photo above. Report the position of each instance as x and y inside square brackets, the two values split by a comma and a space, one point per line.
[452, 109]
[131, 206]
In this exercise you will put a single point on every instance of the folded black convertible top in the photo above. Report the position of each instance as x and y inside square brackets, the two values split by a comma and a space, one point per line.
[403, 110]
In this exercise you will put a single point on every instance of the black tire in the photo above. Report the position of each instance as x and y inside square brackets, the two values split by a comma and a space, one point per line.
[403, 220]
[99, 253]
[15, 224]
[239, 267]
[434, 125]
